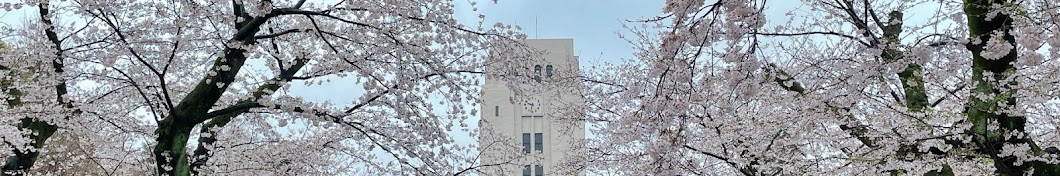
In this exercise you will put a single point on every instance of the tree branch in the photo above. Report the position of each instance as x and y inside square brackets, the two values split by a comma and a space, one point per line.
[269, 36]
[951, 92]
[828, 33]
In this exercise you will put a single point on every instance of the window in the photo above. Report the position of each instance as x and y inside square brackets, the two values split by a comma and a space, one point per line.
[526, 143]
[537, 73]
[537, 142]
[526, 170]
[538, 170]
[548, 71]
[496, 111]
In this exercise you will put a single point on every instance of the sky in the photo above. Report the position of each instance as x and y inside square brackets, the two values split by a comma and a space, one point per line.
[13, 18]
[592, 24]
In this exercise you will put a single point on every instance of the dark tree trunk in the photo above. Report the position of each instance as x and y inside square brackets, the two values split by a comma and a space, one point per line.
[40, 131]
[983, 111]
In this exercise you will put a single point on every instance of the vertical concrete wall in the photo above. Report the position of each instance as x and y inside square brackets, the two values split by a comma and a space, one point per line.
[553, 107]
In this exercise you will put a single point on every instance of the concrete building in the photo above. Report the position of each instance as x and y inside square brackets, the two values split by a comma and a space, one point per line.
[535, 127]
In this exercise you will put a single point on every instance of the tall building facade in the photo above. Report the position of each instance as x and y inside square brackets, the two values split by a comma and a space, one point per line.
[540, 131]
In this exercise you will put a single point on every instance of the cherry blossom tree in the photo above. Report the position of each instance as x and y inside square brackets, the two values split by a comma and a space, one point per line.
[840, 87]
[205, 87]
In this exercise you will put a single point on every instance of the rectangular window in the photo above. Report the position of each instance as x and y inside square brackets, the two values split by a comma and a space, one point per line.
[537, 73]
[526, 170]
[526, 143]
[537, 142]
[548, 71]
[496, 111]
[538, 170]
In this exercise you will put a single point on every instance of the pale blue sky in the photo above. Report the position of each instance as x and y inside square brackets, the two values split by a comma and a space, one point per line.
[591, 23]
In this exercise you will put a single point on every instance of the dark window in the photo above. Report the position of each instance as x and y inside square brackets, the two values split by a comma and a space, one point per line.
[526, 143]
[497, 111]
[548, 71]
[537, 142]
[537, 73]
[539, 170]
[526, 170]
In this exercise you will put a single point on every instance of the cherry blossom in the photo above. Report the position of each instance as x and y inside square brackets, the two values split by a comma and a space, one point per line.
[204, 87]
[842, 87]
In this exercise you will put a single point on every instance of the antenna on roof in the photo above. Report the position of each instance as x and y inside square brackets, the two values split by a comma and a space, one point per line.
[536, 35]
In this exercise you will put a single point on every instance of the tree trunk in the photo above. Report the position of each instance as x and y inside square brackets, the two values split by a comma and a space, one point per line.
[173, 131]
[40, 131]
[201, 154]
[911, 77]
[984, 111]
[170, 152]
[24, 160]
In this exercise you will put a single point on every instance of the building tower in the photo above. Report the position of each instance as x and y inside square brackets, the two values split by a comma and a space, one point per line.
[542, 131]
